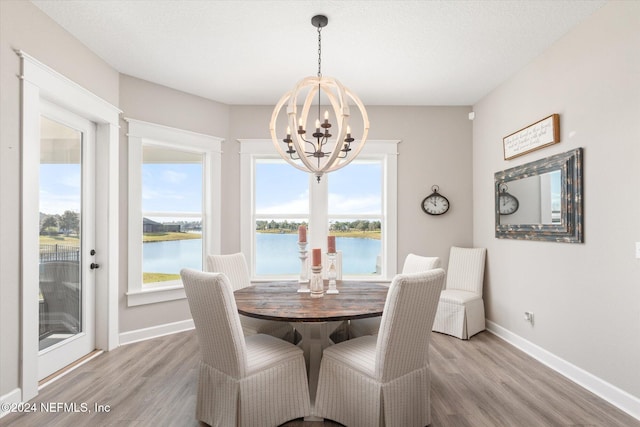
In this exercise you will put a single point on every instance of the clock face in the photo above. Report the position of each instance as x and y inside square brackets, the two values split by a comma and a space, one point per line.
[435, 204]
[507, 204]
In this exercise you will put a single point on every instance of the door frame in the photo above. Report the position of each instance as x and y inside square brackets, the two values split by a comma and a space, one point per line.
[41, 82]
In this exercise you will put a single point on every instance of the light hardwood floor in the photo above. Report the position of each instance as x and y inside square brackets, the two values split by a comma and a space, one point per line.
[480, 382]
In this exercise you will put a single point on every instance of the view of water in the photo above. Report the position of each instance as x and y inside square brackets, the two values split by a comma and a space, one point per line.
[275, 254]
[278, 254]
[172, 256]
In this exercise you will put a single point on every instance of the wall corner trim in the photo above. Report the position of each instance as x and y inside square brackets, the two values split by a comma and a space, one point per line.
[612, 394]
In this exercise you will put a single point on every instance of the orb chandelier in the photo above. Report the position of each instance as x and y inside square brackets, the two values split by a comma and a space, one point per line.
[318, 152]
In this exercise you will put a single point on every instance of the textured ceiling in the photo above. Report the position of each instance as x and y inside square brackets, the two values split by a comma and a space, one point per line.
[387, 52]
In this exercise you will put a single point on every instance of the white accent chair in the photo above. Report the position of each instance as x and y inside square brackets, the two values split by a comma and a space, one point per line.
[461, 308]
[417, 264]
[234, 266]
[243, 381]
[385, 380]
[412, 264]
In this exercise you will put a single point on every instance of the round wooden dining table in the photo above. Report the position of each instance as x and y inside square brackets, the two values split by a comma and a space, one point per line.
[314, 318]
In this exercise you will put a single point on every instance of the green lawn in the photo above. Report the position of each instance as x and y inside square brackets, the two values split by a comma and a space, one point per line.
[356, 233]
[166, 236]
[158, 277]
[146, 237]
[60, 240]
[350, 233]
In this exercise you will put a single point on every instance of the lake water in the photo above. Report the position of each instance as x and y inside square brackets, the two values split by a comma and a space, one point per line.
[172, 256]
[278, 254]
[275, 254]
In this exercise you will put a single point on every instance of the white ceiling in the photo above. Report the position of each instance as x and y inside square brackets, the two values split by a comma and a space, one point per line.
[387, 52]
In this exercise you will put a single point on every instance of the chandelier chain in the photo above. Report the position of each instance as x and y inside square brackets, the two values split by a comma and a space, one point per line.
[319, 52]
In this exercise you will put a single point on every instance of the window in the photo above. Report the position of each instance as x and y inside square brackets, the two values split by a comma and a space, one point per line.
[357, 204]
[174, 208]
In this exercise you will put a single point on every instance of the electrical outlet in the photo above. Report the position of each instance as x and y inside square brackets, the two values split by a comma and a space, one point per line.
[528, 317]
[638, 250]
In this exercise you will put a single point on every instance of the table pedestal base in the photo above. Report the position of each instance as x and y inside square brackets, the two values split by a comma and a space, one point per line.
[315, 338]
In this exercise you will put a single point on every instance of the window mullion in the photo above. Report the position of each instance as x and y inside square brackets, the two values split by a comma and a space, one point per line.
[318, 212]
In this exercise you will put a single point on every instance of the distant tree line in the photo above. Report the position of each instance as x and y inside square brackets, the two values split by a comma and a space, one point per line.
[286, 226]
[67, 223]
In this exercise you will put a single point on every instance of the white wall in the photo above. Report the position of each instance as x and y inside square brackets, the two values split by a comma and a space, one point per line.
[25, 27]
[586, 297]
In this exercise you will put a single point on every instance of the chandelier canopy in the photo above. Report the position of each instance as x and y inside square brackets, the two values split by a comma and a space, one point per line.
[321, 151]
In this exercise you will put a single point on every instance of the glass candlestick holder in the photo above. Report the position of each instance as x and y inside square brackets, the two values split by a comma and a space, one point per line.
[317, 284]
[303, 281]
[332, 273]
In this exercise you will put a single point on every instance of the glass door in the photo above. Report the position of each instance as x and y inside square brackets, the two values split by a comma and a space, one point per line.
[66, 239]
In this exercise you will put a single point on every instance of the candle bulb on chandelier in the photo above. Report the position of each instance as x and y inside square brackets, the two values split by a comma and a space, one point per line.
[317, 125]
[300, 128]
[288, 132]
[348, 131]
[326, 116]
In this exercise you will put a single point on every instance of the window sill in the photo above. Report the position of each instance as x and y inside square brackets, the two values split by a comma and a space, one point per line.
[155, 295]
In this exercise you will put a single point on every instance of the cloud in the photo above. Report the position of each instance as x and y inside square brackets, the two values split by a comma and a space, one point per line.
[173, 177]
[71, 180]
[365, 204]
[58, 203]
[338, 204]
[299, 205]
[152, 194]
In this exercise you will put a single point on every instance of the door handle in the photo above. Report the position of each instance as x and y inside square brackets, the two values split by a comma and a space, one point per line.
[93, 266]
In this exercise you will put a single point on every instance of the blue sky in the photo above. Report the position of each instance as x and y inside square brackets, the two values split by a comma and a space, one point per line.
[177, 187]
[281, 188]
[173, 187]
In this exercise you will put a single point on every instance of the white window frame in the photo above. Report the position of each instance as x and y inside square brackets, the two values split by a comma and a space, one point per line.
[141, 133]
[252, 150]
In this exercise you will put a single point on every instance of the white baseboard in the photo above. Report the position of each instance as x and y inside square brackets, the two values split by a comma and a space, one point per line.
[617, 397]
[155, 331]
[13, 397]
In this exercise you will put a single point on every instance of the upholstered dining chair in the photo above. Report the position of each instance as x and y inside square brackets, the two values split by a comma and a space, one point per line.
[251, 381]
[237, 271]
[384, 380]
[412, 264]
[461, 307]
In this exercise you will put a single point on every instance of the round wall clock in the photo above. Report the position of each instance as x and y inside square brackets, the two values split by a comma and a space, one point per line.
[435, 203]
[507, 203]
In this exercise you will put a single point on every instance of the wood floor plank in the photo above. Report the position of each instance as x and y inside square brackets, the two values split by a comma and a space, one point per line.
[482, 382]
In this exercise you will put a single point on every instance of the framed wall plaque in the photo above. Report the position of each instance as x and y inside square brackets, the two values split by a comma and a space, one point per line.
[542, 133]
